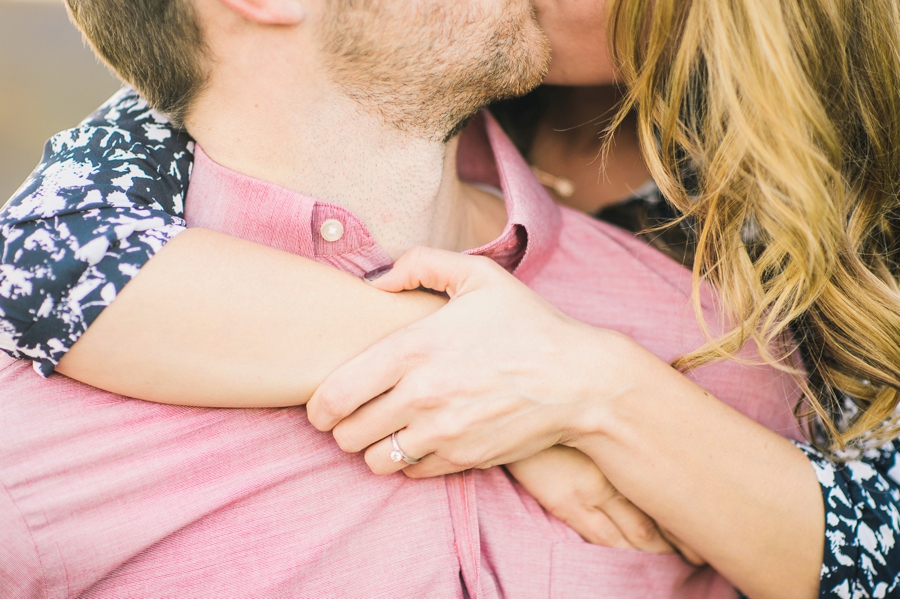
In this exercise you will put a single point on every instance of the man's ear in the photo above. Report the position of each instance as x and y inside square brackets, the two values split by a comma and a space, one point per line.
[269, 12]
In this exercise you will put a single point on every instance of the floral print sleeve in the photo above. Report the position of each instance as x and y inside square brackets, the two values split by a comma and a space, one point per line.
[862, 523]
[105, 199]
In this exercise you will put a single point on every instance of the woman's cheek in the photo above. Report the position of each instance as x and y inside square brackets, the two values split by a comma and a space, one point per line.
[577, 33]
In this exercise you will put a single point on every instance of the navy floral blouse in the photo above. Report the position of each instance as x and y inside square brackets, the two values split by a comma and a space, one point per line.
[109, 194]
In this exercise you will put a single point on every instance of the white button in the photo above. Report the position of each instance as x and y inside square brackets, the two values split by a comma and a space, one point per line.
[332, 230]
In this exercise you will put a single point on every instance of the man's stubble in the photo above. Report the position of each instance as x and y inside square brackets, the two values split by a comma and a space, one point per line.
[427, 66]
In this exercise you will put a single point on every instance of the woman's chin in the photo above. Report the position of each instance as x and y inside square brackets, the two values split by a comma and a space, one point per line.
[582, 75]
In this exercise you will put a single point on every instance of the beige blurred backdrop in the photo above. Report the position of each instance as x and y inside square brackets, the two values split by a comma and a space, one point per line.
[49, 81]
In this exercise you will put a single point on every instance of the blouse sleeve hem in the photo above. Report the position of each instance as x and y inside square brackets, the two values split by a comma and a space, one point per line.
[96, 288]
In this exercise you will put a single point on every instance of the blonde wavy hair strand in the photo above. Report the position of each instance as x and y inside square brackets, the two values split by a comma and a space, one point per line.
[774, 126]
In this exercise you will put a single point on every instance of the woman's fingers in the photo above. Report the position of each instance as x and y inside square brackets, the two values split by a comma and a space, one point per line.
[689, 555]
[383, 365]
[569, 485]
[639, 529]
[438, 270]
[366, 376]
[594, 526]
[476, 383]
[371, 422]
[379, 460]
[374, 422]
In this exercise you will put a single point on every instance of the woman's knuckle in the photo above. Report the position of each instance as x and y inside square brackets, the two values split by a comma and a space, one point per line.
[645, 531]
[417, 256]
[478, 456]
[456, 459]
[345, 439]
[331, 404]
[450, 429]
[408, 342]
[461, 458]
[484, 266]
[606, 534]
[376, 466]
[422, 398]
[414, 253]
[556, 506]
[585, 494]
[488, 263]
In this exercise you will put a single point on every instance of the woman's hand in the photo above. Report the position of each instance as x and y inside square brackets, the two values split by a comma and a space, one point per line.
[569, 485]
[498, 375]
[494, 377]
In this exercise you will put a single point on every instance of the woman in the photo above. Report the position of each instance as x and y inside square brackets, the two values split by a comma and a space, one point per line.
[779, 265]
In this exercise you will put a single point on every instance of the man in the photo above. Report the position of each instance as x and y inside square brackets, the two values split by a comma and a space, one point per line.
[328, 129]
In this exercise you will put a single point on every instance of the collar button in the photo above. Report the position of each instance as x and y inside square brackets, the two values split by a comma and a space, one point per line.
[332, 230]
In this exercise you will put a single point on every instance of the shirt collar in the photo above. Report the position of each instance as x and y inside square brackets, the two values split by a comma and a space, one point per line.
[224, 200]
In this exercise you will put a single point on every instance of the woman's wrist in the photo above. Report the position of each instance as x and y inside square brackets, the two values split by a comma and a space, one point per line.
[600, 392]
[738, 494]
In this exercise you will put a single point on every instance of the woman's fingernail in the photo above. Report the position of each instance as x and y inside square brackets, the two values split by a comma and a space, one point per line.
[378, 272]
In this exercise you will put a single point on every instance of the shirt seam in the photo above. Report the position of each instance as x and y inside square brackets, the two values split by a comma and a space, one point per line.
[8, 366]
[24, 520]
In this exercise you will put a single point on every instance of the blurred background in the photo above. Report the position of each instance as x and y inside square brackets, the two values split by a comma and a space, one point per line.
[49, 81]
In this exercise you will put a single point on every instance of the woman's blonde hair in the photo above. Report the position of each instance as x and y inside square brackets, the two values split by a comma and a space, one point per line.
[774, 126]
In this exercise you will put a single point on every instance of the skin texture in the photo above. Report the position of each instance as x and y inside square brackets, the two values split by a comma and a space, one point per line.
[376, 55]
[254, 361]
[773, 474]
[577, 33]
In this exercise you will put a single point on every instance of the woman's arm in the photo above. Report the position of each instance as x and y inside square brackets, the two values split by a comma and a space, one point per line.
[216, 321]
[99, 277]
[106, 197]
[743, 497]
[213, 320]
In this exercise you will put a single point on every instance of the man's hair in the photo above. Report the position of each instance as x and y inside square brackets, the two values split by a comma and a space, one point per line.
[154, 45]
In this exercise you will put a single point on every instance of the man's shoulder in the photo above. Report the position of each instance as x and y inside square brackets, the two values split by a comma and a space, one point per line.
[26, 395]
[602, 274]
[590, 245]
[134, 488]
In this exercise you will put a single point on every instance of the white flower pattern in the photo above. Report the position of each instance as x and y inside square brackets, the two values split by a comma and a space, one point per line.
[106, 198]
[109, 194]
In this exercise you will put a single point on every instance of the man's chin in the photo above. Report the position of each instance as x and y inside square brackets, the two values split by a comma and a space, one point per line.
[527, 61]
[433, 86]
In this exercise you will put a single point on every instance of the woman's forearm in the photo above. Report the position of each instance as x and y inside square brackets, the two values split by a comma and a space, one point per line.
[745, 498]
[217, 321]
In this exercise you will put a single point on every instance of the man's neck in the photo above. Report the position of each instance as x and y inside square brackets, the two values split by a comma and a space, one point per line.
[404, 188]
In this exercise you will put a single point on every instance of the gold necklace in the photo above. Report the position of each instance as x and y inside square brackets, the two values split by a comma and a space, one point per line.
[564, 188]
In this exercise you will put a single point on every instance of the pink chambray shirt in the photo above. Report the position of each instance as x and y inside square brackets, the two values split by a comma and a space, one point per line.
[105, 496]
